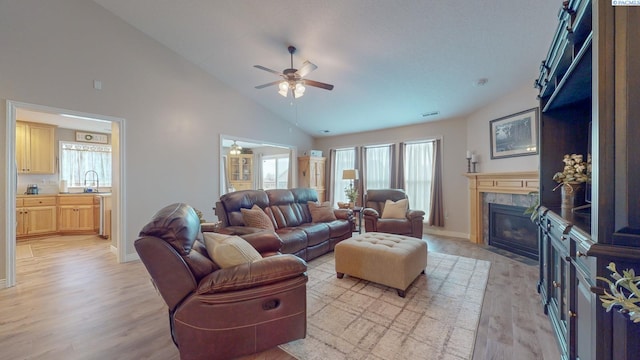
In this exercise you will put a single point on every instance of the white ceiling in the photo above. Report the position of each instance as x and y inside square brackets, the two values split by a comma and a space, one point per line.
[390, 61]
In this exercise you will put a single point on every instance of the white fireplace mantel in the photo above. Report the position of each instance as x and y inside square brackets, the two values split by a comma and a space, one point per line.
[520, 182]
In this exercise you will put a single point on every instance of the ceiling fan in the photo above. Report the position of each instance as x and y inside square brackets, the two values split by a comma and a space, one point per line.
[293, 79]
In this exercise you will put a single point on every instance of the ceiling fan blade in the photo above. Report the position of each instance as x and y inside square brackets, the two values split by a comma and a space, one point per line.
[318, 84]
[267, 69]
[268, 84]
[306, 68]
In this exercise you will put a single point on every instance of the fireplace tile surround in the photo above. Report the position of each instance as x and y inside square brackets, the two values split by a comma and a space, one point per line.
[502, 199]
[507, 188]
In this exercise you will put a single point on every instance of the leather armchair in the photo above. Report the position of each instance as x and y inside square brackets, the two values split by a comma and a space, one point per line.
[411, 225]
[222, 313]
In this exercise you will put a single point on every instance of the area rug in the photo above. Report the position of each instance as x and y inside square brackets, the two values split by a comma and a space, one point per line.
[351, 318]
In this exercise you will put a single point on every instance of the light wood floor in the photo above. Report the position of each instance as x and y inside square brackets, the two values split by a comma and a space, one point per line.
[73, 301]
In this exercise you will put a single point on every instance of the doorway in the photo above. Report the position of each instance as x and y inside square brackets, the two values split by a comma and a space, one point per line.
[54, 116]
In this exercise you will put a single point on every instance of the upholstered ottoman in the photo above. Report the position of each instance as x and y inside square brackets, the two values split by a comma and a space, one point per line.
[387, 259]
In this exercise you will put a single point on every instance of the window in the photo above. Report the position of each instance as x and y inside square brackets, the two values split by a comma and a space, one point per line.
[275, 172]
[418, 174]
[345, 159]
[378, 167]
[76, 159]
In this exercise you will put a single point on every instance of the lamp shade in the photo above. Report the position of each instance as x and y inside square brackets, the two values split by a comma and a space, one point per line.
[350, 174]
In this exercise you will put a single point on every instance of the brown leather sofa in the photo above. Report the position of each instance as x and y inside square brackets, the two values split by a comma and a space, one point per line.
[375, 199]
[222, 313]
[289, 213]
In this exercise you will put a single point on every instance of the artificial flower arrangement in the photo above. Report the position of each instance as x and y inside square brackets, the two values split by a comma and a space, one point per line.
[575, 170]
[351, 192]
[623, 293]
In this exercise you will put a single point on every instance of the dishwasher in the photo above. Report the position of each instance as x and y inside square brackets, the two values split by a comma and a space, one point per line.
[105, 216]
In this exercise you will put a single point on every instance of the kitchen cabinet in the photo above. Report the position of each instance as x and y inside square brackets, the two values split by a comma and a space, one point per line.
[35, 216]
[76, 214]
[240, 169]
[311, 174]
[589, 92]
[35, 148]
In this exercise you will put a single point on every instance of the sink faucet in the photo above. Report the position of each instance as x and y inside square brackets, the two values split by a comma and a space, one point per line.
[96, 179]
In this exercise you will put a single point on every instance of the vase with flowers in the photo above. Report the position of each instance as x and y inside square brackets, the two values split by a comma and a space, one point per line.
[571, 179]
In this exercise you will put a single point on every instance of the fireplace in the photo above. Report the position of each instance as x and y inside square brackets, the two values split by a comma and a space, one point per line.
[510, 229]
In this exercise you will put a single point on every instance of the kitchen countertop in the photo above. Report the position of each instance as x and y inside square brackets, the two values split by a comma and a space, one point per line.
[65, 194]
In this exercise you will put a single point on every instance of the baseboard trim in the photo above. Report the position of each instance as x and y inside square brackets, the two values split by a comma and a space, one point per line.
[446, 233]
[128, 257]
[132, 257]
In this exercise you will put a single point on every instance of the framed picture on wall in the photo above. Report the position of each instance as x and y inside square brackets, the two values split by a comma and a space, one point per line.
[515, 135]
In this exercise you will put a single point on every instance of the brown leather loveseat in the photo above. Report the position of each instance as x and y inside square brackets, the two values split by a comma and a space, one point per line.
[222, 313]
[289, 213]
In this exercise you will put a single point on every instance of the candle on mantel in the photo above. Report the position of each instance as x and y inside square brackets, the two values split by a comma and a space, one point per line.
[468, 154]
[474, 158]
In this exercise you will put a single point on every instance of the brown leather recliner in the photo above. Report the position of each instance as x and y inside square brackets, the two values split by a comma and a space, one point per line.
[411, 225]
[222, 313]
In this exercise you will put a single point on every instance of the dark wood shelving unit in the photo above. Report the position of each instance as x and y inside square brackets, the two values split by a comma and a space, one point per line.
[589, 87]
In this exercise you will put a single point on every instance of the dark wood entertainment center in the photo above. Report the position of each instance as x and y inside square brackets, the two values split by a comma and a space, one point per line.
[589, 84]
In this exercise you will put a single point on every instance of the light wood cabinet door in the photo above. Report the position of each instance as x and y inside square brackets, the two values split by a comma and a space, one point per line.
[35, 148]
[311, 174]
[76, 214]
[41, 220]
[22, 162]
[36, 220]
[21, 224]
[36, 216]
[75, 218]
[240, 169]
[42, 149]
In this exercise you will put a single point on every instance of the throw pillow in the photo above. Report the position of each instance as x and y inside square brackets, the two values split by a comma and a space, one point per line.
[255, 217]
[395, 209]
[229, 250]
[321, 212]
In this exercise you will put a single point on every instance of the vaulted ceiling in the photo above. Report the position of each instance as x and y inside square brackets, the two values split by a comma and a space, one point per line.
[391, 61]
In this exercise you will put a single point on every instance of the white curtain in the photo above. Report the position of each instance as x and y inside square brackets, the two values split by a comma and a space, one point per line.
[225, 175]
[378, 167]
[418, 174]
[345, 159]
[78, 158]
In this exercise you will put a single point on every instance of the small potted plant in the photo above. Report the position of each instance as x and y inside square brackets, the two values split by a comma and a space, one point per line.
[351, 192]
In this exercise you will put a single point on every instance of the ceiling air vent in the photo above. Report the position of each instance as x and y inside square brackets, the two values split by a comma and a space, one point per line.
[432, 113]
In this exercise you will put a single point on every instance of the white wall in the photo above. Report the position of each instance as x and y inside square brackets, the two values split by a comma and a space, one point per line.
[472, 133]
[454, 138]
[478, 132]
[50, 53]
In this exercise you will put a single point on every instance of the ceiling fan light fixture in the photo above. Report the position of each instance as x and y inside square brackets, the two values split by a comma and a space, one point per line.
[235, 149]
[298, 91]
[293, 78]
[284, 88]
